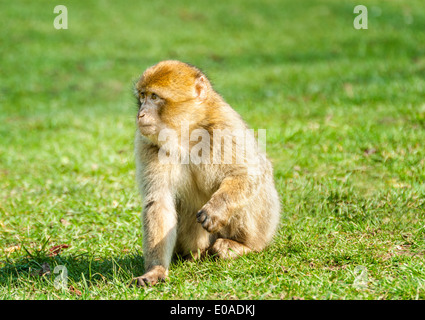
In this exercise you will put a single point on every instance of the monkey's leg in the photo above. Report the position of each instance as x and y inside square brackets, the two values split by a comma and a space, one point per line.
[233, 194]
[228, 249]
[159, 239]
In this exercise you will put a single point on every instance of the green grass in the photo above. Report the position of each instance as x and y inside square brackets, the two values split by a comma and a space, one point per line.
[344, 111]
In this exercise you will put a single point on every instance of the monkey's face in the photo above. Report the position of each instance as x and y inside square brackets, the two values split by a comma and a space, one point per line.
[169, 93]
[148, 116]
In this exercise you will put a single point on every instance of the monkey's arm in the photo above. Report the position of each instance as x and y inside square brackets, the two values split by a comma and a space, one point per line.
[233, 193]
[159, 221]
[159, 228]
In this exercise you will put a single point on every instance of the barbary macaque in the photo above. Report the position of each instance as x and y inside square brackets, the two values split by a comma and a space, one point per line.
[200, 196]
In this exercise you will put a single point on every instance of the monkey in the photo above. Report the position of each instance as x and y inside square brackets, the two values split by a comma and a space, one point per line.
[197, 207]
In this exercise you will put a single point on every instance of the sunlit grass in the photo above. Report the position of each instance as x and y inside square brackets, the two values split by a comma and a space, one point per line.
[344, 111]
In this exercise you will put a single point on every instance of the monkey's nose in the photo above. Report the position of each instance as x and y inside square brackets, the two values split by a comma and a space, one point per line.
[141, 115]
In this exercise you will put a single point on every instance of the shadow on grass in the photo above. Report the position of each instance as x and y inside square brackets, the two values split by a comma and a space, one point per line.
[83, 267]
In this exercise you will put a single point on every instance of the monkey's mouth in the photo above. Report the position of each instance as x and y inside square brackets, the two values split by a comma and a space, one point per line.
[147, 129]
[144, 124]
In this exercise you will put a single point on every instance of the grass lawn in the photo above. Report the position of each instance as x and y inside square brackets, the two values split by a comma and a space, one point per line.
[344, 111]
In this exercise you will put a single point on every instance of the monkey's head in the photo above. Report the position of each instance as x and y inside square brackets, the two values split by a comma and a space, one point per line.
[169, 93]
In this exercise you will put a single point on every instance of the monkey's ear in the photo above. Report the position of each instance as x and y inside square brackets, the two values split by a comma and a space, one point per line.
[201, 87]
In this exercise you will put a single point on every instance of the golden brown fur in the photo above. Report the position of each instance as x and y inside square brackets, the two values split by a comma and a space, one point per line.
[189, 207]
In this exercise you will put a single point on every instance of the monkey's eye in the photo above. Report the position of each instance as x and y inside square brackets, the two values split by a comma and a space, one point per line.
[142, 95]
[154, 96]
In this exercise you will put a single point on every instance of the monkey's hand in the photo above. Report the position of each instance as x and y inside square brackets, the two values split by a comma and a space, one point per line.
[211, 220]
[150, 278]
[230, 197]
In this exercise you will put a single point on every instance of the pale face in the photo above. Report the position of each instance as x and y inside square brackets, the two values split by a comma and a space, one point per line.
[148, 118]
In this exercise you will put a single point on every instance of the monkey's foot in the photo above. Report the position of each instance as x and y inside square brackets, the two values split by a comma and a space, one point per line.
[228, 249]
[152, 277]
[197, 255]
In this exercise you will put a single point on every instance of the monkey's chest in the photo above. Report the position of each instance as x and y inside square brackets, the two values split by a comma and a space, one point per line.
[192, 194]
[195, 187]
